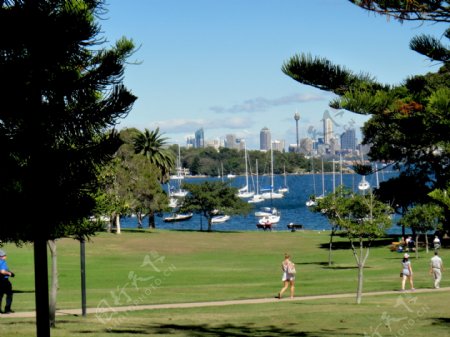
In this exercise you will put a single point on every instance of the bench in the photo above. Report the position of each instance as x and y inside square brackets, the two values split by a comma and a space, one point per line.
[293, 227]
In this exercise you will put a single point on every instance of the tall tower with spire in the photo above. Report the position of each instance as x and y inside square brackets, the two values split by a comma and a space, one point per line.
[297, 118]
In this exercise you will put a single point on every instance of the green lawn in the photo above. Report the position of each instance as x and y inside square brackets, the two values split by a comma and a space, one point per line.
[175, 266]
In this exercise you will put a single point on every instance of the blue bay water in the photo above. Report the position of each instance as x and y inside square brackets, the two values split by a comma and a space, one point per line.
[292, 207]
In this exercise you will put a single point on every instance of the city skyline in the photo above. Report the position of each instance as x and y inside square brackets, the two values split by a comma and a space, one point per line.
[327, 121]
[217, 65]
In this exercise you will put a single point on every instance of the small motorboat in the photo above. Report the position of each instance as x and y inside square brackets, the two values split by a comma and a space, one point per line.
[220, 218]
[178, 217]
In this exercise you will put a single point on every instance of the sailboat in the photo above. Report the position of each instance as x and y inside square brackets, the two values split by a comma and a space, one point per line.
[244, 192]
[285, 188]
[363, 184]
[313, 199]
[178, 192]
[257, 197]
[271, 194]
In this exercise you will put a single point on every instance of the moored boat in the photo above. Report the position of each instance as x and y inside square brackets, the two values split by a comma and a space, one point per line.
[220, 218]
[178, 217]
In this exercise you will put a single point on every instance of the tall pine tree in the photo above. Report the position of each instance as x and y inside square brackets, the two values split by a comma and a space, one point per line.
[61, 94]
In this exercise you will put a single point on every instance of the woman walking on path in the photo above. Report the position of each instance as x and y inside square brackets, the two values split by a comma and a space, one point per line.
[288, 278]
[407, 272]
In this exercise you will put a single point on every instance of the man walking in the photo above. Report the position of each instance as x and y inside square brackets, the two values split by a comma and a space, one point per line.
[5, 284]
[436, 269]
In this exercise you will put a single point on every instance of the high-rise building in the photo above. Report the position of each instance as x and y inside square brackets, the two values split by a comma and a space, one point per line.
[190, 142]
[230, 141]
[264, 139]
[278, 145]
[199, 138]
[327, 130]
[348, 140]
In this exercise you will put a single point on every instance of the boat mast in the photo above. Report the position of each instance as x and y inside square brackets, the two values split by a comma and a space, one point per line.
[271, 168]
[323, 179]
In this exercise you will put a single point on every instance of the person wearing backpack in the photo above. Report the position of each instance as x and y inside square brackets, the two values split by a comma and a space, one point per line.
[288, 277]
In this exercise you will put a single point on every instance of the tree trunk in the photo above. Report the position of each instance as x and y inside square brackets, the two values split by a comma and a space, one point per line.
[54, 283]
[139, 219]
[417, 246]
[41, 288]
[118, 230]
[209, 225]
[110, 224]
[360, 283]
[330, 247]
[426, 242]
[361, 262]
[151, 220]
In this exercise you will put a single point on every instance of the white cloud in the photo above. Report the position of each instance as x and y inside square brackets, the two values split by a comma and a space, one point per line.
[259, 104]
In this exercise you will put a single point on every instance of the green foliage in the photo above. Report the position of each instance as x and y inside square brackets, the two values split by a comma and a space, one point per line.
[359, 216]
[442, 196]
[130, 184]
[208, 161]
[423, 218]
[424, 10]
[410, 122]
[209, 197]
[61, 93]
[152, 145]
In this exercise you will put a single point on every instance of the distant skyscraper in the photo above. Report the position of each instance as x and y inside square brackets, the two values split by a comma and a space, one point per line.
[264, 139]
[199, 138]
[190, 142]
[327, 130]
[278, 145]
[348, 140]
[230, 141]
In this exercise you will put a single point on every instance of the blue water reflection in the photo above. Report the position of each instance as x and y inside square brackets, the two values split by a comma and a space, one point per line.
[292, 207]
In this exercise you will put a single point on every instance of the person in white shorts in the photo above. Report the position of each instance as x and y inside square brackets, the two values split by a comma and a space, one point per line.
[436, 269]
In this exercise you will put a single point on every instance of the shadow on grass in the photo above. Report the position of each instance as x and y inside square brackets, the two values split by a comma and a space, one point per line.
[225, 330]
[441, 321]
[385, 242]
[15, 291]
[326, 266]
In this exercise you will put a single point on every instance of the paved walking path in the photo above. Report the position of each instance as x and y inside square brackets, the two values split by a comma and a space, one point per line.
[64, 312]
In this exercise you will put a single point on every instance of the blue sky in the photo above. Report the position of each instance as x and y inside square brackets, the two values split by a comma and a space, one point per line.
[216, 64]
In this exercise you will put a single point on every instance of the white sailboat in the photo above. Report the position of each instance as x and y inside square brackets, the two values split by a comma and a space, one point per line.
[269, 220]
[271, 194]
[266, 211]
[363, 184]
[313, 199]
[284, 188]
[178, 192]
[257, 197]
[244, 192]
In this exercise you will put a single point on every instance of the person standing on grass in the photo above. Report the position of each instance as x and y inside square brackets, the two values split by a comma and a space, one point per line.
[288, 278]
[407, 272]
[436, 243]
[436, 269]
[5, 284]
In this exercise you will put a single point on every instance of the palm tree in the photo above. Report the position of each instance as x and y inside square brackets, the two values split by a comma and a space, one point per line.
[152, 145]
